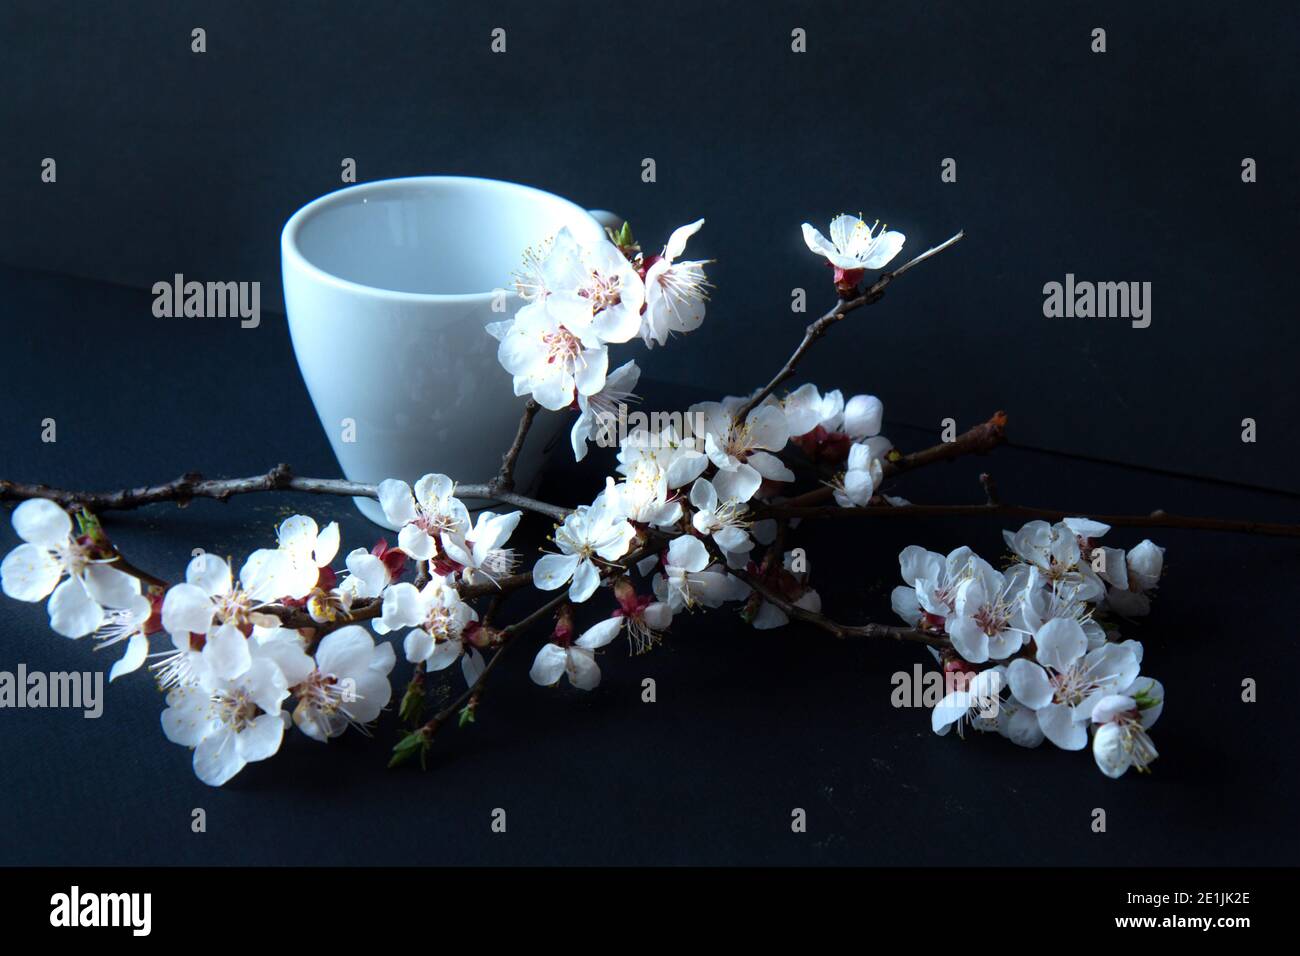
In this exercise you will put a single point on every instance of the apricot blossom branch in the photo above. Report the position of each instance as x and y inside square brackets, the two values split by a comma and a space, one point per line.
[841, 309]
[1031, 651]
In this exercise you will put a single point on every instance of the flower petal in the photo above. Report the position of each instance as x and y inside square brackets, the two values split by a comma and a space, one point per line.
[186, 609]
[137, 649]
[109, 586]
[549, 665]
[1061, 642]
[209, 572]
[398, 502]
[30, 572]
[583, 671]
[261, 738]
[769, 466]
[1109, 751]
[586, 578]
[226, 652]
[677, 241]
[817, 242]
[416, 542]
[1059, 726]
[217, 759]
[327, 544]
[600, 634]
[969, 640]
[863, 415]
[345, 652]
[1029, 684]
[444, 654]
[187, 719]
[73, 612]
[41, 521]
[553, 571]
[418, 646]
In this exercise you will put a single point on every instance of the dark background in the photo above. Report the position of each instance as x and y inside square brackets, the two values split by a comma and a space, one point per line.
[1121, 166]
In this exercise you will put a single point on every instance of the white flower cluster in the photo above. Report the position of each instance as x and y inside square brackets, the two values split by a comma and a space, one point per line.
[1029, 658]
[1023, 647]
[86, 594]
[231, 666]
[435, 528]
[681, 503]
[582, 297]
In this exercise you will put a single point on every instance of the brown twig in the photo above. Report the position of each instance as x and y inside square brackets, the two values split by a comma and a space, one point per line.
[369, 608]
[476, 689]
[980, 440]
[1154, 519]
[615, 569]
[823, 325]
[505, 479]
[192, 485]
[837, 629]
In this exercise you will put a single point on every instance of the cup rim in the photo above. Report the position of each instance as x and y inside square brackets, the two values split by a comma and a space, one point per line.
[290, 252]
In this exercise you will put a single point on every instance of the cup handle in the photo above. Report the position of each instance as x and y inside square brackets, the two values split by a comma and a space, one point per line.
[607, 219]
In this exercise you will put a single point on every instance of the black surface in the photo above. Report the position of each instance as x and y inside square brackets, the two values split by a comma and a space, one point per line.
[1122, 166]
[747, 725]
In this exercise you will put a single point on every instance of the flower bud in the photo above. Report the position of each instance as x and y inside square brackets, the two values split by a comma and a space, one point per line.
[563, 634]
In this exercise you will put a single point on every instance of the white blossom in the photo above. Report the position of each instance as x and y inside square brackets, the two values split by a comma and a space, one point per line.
[348, 685]
[423, 515]
[33, 570]
[729, 443]
[931, 583]
[552, 350]
[853, 244]
[309, 549]
[211, 604]
[642, 496]
[1132, 577]
[806, 409]
[1054, 550]
[126, 625]
[481, 551]
[1067, 680]
[598, 414]
[863, 474]
[438, 618]
[688, 580]
[229, 723]
[590, 532]
[720, 507]
[978, 697]
[577, 661]
[1121, 721]
[987, 620]
[678, 457]
[593, 270]
[675, 291]
[1043, 600]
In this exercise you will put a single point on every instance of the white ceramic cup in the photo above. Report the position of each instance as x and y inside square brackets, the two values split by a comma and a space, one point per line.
[388, 286]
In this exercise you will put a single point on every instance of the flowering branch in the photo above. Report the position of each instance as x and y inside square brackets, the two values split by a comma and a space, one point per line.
[1024, 650]
[192, 485]
[842, 308]
[505, 479]
[836, 629]
[1154, 519]
[422, 736]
